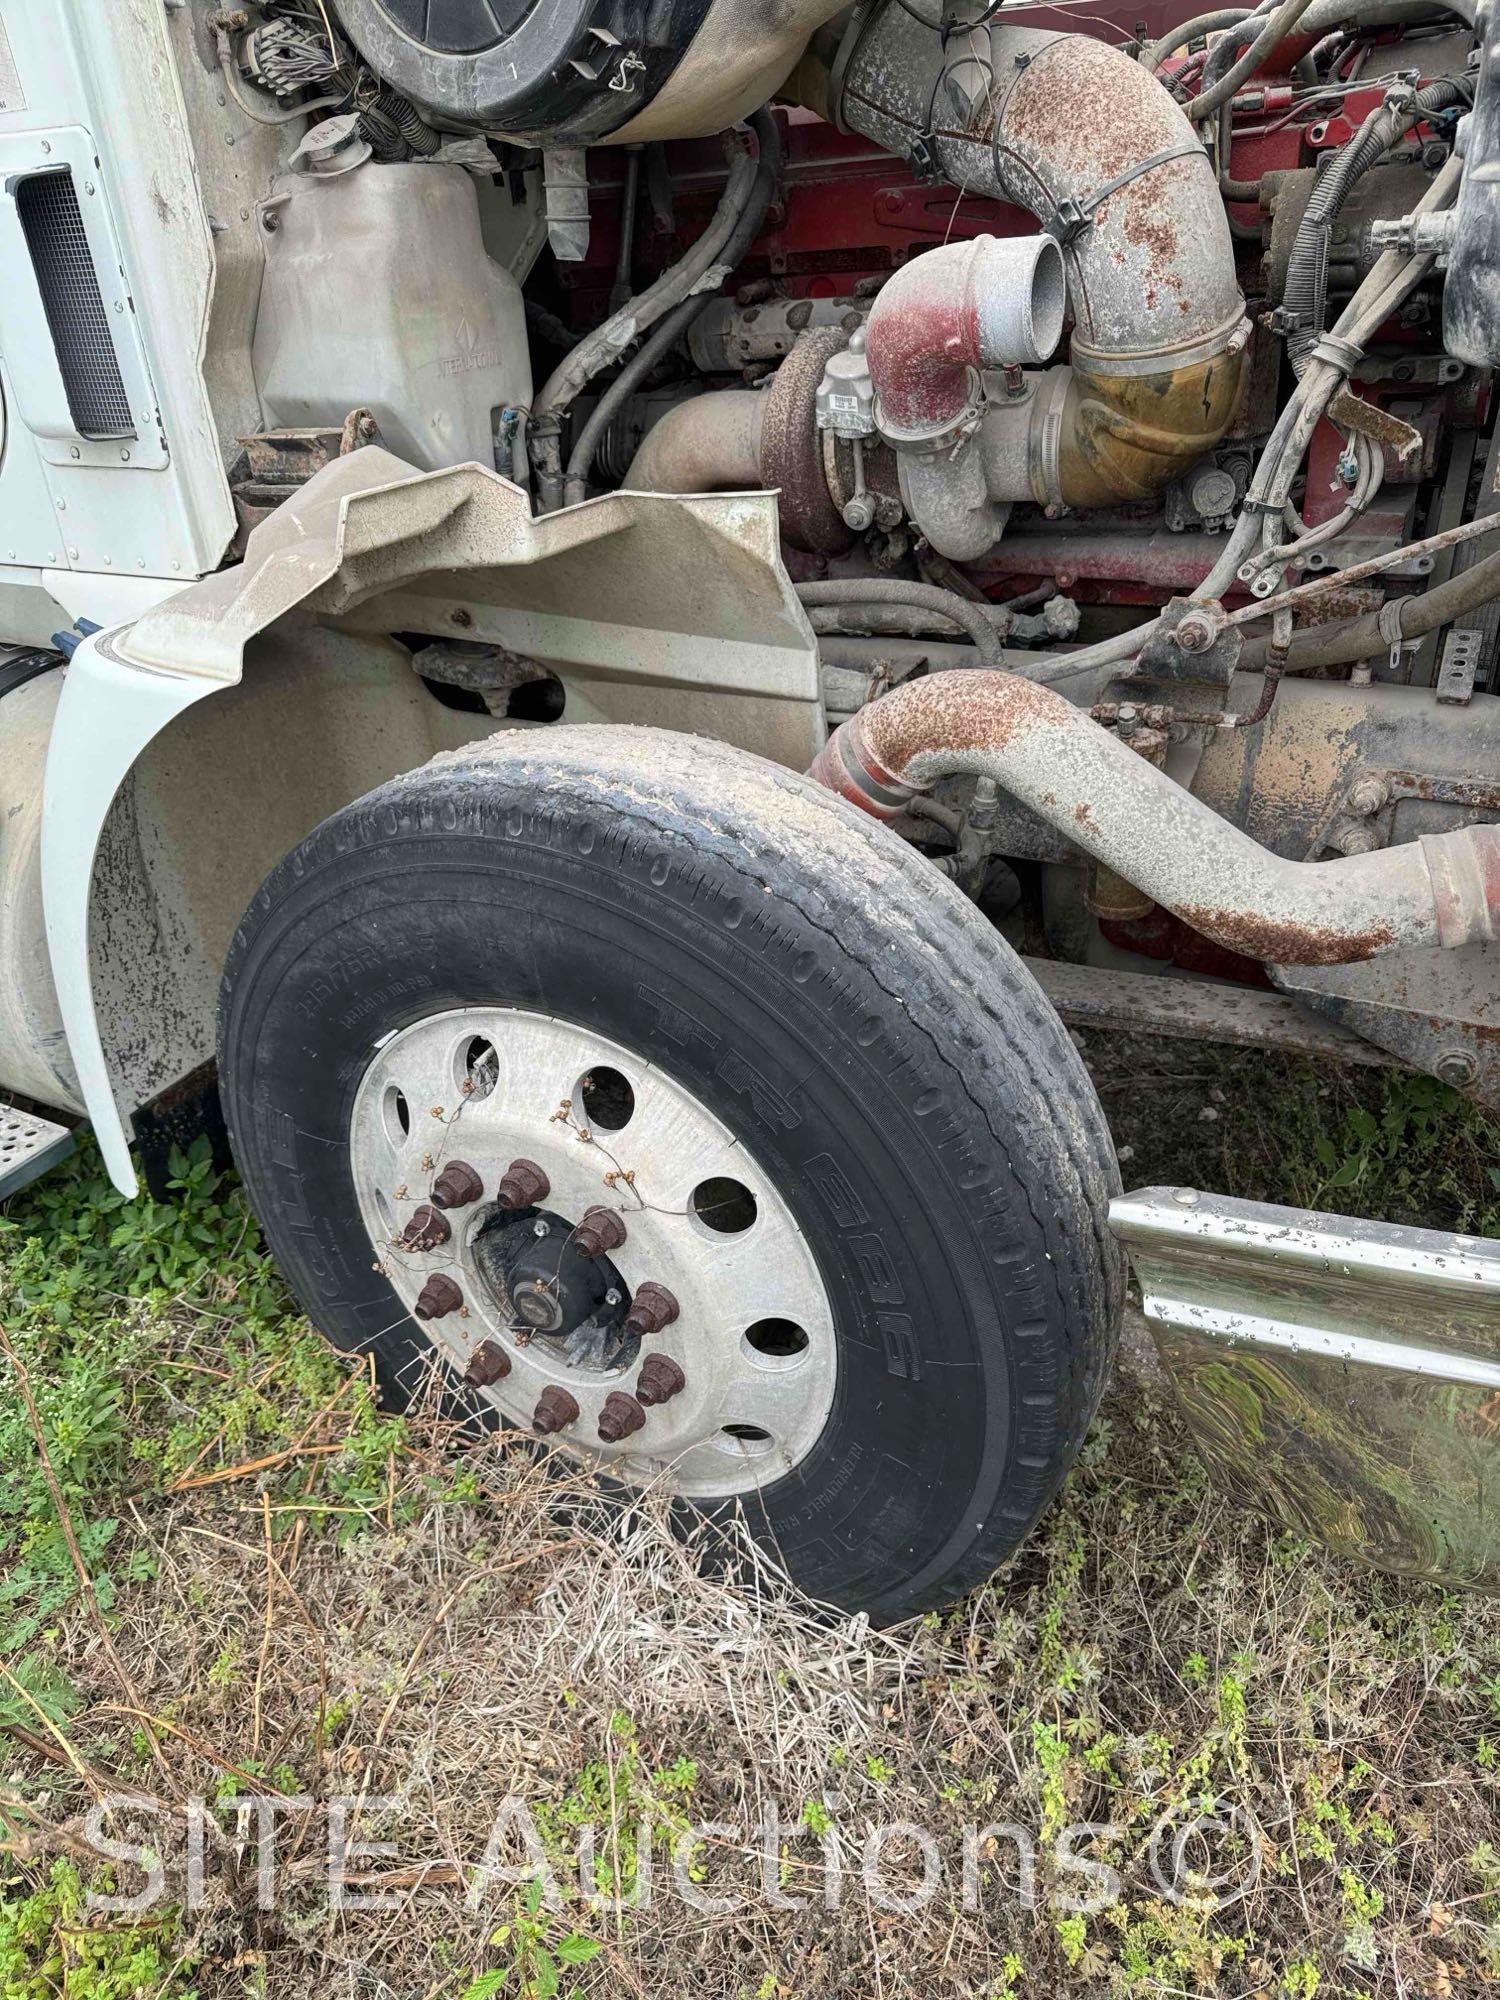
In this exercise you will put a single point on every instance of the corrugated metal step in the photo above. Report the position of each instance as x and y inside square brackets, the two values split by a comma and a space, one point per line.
[29, 1146]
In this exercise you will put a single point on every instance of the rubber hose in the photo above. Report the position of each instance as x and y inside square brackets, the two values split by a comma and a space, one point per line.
[969, 618]
[1278, 26]
[1362, 638]
[669, 330]
[1155, 53]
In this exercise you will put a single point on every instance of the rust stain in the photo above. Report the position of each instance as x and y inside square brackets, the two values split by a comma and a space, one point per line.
[1279, 943]
[958, 711]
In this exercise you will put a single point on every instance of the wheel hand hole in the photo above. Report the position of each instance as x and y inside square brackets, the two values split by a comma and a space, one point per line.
[397, 1113]
[607, 1099]
[481, 1066]
[751, 1439]
[776, 1341]
[723, 1205]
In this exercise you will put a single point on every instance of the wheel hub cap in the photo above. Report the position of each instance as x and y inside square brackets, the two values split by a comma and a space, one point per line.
[593, 1249]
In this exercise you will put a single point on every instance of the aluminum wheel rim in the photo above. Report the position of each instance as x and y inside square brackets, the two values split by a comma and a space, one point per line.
[754, 1334]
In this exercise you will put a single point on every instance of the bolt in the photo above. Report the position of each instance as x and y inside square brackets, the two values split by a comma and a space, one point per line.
[659, 1381]
[457, 1185]
[1457, 1066]
[438, 1297]
[555, 1410]
[270, 221]
[1185, 1197]
[540, 1228]
[460, 617]
[1367, 795]
[1196, 633]
[426, 1230]
[620, 1416]
[488, 1363]
[600, 1229]
[1360, 838]
[522, 1185]
[652, 1308]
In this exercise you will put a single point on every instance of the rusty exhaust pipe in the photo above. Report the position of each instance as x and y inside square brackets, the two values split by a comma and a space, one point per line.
[1442, 889]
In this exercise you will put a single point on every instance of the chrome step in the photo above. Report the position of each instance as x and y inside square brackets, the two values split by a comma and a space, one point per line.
[1343, 1376]
[29, 1147]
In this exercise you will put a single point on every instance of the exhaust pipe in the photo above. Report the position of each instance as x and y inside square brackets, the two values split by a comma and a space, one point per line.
[1442, 889]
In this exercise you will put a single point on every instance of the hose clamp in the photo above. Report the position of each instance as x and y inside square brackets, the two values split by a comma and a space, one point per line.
[1071, 217]
[1345, 355]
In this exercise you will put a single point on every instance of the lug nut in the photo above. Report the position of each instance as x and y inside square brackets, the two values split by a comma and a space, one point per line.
[660, 1380]
[600, 1229]
[457, 1185]
[620, 1416]
[426, 1230]
[555, 1410]
[522, 1185]
[438, 1297]
[652, 1308]
[488, 1363]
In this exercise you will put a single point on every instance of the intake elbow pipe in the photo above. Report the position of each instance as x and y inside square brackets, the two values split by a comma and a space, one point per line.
[1095, 147]
[946, 315]
[1442, 889]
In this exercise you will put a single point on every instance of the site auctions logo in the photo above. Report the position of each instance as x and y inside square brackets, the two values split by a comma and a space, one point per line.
[1208, 1858]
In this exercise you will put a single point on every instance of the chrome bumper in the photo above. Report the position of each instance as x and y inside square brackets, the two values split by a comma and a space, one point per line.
[1343, 1376]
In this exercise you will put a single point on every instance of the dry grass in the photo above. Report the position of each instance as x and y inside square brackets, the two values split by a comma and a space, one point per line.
[443, 1626]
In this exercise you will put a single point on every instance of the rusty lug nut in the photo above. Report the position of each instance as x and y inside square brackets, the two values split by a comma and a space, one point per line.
[522, 1185]
[438, 1297]
[426, 1230]
[555, 1410]
[457, 1185]
[660, 1380]
[652, 1308]
[488, 1363]
[599, 1230]
[620, 1416]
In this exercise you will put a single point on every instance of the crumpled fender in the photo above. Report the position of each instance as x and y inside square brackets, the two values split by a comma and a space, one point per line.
[368, 525]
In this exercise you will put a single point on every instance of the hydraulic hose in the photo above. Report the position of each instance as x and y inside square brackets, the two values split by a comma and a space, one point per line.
[1443, 889]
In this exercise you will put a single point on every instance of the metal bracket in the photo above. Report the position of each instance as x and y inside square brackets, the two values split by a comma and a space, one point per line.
[1192, 642]
[1459, 666]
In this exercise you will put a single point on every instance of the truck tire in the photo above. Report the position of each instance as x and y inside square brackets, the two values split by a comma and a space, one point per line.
[831, 1115]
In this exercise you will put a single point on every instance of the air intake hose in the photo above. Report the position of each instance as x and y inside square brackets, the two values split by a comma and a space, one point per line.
[1091, 143]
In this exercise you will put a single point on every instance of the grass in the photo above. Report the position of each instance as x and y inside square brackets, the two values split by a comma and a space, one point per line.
[234, 1577]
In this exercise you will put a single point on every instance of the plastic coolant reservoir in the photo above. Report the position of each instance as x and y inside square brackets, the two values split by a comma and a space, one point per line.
[379, 295]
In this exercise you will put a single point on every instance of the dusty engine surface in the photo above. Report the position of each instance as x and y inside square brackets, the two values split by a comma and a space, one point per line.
[1156, 371]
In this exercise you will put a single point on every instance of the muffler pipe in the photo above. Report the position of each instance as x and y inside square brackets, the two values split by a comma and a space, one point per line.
[1442, 889]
